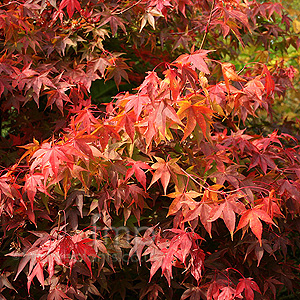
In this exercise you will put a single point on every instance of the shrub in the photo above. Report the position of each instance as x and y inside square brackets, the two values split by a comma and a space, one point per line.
[101, 197]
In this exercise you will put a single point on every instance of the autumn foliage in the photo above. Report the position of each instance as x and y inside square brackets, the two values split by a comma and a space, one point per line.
[168, 178]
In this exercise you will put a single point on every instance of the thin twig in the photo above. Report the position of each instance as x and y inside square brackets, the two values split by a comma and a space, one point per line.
[222, 192]
[131, 6]
[208, 23]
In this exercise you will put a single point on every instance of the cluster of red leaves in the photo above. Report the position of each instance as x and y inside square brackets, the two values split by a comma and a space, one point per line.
[219, 203]
[114, 160]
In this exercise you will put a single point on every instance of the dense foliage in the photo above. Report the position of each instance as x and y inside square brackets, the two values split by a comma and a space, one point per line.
[139, 139]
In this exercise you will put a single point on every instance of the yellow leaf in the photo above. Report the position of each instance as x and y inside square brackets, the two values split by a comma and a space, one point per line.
[296, 26]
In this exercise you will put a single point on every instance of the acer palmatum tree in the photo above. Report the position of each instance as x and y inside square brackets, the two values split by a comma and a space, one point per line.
[166, 180]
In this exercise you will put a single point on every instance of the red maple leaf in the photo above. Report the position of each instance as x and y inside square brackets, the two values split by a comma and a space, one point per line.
[49, 156]
[140, 242]
[227, 293]
[137, 169]
[162, 113]
[33, 183]
[57, 294]
[126, 121]
[71, 6]
[150, 85]
[252, 217]
[176, 84]
[196, 59]
[164, 171]
[226, 210]
[269, 82]
[202, 210]
[248, 286]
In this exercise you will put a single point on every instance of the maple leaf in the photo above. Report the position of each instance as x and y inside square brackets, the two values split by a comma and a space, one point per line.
[71, 6]
[229, 73]
[270, 205]
[269, 82]
[117, 71]
[164, 171]
[164, 252]
[151, 291]
[36, 83]
[248, 286]
[270, 285]
[202, 210]
[84, 250]
[259, 250]
[57, 294]
[149, 16]
[137, 169]
[20, 77]
[137, 195]
[80, 145]
[38, 273]
[181, 5]
[196, 59]
[196, 114]
[33, 183]
[150, 85]
[230, 174]
[215, 286]
[140, 242]
[86, 120]
[4, 282]
[99, 64]
[264, 160]
[236, 14]
[227, 293]
[182, 200]
[190, 75]
[254, 90]
[114, 21]
[226, 210]
[163, 112]
[194, 292]
[105, 131]
[252, 217]
[42, 252]
[176, 84]
[49, 155]
[263, 142]
[126, 120]
[218, 93]
[58, 96]
[197, 263]
[5, 187]
[137, 101]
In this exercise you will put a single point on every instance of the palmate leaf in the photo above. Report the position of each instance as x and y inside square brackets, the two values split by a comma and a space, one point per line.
[184, 199]
[252, 218]
[164, 253]
[57, 294]
[196, 59]
[165, 170]
[49, 156]
[71, 6]
[33, 184]
[248, 286]
[137, 168]
[53, 50]
[197, 113]
[226, 210]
